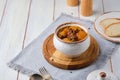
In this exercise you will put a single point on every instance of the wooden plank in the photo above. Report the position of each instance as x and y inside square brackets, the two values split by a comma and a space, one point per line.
[107, 66]
[11, 34]
[116, 63]
[111, 5]
[40, 17]
[3, 4]
[62, 7]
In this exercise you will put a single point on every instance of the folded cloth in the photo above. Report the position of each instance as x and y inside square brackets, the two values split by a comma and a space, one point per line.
[30, 59]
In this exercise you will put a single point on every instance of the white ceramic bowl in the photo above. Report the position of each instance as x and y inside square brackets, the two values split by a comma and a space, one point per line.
[71, 49]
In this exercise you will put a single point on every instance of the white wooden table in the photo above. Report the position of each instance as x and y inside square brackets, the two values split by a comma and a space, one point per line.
[21, 21]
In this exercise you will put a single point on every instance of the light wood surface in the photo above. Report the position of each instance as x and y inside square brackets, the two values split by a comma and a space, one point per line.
[21, 21]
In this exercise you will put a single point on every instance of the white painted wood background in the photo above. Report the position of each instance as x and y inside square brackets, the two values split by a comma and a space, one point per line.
[21, 21]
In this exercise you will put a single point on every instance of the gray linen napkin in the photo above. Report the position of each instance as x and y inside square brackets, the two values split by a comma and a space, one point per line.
[31, 59]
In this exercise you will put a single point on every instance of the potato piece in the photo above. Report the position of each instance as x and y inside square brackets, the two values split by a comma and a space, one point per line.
[81, 35]
[62, 33]
[75, 28]
[66, 40]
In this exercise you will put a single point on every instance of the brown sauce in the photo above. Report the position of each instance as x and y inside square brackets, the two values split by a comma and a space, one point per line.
[71, 33]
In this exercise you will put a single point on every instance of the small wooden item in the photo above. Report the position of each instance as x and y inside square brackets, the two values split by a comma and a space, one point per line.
[60, 60]
[86, 7]
[73, 2]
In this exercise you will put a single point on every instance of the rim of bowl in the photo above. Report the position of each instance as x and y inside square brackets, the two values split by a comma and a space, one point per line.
[81, 26]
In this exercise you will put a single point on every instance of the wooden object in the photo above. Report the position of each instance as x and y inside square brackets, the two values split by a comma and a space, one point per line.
[86, 7]
[73, 2]
[60, 60]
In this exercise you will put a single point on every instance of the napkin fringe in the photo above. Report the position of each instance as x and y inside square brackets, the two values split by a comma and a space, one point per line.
[20, 68]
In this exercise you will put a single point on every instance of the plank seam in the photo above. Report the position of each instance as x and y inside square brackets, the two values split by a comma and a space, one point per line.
[25, 33]
[111, 66]
[3, 12]
[18, 74]
[27, 24]
[54, 10]
[103, 11]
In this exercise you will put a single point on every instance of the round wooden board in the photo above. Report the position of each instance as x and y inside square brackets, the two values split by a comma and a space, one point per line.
[60, 60]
